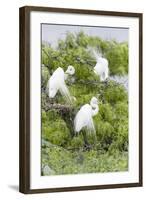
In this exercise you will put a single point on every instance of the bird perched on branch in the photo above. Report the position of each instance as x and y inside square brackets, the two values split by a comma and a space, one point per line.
[57, 83]
[83, 119]
[101, 68]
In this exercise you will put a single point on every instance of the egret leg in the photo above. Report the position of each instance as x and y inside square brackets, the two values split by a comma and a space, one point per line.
[86, 143]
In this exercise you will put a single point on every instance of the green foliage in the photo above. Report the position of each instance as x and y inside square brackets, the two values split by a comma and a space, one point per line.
[105, 134]
[76, 142]
[106, 112]
[118, 58]
[54, 130]
[67, 162]
[44, 75]
[63, 153]
[115, 93]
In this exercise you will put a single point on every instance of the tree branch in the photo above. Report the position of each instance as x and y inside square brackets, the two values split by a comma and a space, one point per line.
[59, 107]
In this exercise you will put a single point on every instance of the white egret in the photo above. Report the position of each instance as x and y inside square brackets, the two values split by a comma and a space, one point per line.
[83, 119]
[101, 68]
[57, 83]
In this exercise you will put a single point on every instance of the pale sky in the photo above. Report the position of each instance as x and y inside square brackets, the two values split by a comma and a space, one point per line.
[51, 33]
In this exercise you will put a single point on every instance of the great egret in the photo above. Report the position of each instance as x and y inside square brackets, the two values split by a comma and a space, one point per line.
[57, 83]
[83, 119]
[101, 68]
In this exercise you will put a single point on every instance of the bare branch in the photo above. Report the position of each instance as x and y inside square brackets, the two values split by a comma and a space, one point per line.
[57, 107]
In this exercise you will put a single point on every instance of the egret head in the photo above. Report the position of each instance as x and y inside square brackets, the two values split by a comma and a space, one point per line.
[93, 101]
[70, 70]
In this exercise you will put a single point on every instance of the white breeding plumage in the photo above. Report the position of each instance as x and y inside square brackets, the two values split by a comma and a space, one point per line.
[83, 118]
[101, 68]
[57, 83]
